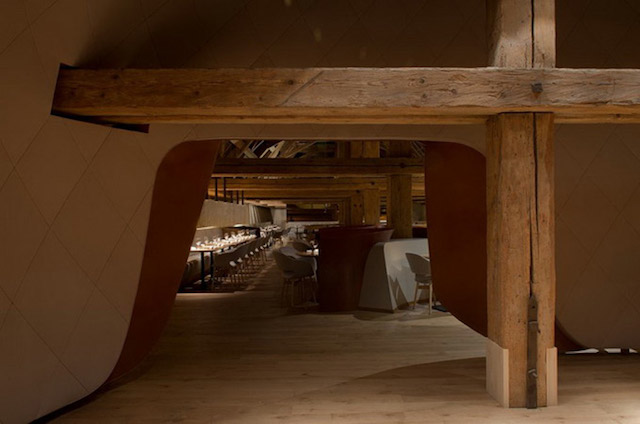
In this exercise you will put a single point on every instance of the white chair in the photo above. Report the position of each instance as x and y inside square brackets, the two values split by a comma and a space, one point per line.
[301, 245]
[295, 272]
[421, 267]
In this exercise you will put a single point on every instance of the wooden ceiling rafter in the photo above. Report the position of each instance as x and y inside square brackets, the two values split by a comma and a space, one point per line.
[314, 183]
[227, 167]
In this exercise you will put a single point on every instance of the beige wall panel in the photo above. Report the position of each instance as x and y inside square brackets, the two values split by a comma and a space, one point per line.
[223, 214]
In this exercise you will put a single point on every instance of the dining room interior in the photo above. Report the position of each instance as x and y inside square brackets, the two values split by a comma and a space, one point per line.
[313, 211]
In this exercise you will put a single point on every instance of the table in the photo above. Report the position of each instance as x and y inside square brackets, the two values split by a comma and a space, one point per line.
[202, 249]
[309, 253]
[203, 274]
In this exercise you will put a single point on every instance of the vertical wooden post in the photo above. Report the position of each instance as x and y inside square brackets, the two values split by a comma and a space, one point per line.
[355, 149]
[342, 149]
[224, 189]
[356, 215]
[216, 184]
[520, 218]
[399, 199]
[371, 201]
[371, 149]
[363, 149]
[344, 212]
[399, 206]
[370, 198]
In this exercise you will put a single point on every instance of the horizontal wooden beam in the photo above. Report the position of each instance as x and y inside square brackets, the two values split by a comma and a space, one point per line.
[345, 95]
[317, 167]
[309, 200]
[292, 194]
[315, 183]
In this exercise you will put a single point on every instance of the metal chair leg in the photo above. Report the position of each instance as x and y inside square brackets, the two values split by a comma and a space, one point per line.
[313, 290]
[283, 292]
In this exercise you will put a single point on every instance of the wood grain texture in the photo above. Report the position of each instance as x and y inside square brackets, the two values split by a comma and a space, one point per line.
[399, 206]
[313, 194]
[346, 95]
[399, 201]
[356, 213]
[510, 190]
[521, 242]
[544, 33]
[371, 199]
[455, 178]
[520, 216]
[249, 360]
[371, 149]
[509, 26]
[314, 183]
[317, 167]
[543, 246]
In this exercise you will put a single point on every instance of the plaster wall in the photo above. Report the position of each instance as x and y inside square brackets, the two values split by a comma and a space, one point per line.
[223, 214]
[279, 216]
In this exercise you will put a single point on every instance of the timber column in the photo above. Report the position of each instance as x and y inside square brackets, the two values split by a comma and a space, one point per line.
[365, 204]
[399, 199]
[356, 211]
[521, 358]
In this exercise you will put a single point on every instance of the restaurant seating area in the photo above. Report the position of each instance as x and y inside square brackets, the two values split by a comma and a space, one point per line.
[226, 263]
[227, 259]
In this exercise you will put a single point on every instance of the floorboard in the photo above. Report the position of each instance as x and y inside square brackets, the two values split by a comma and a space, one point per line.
[242, 358]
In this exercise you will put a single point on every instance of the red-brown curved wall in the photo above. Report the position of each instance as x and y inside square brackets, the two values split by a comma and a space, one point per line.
[455, 189]
[457, 222]
[179, 190]
[343, 255]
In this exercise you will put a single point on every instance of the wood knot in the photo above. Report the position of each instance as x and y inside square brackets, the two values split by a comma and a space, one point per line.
[537, 88]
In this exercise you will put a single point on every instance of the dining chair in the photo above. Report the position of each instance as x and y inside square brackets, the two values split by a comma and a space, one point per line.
[225, 267]
[301, 245]
[421, 267]
[295, 273]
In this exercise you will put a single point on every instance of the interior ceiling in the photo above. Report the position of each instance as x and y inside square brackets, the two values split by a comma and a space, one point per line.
[298, 33]
[271, 149]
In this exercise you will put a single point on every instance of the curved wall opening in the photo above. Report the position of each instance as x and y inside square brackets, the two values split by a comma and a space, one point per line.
[181, 181]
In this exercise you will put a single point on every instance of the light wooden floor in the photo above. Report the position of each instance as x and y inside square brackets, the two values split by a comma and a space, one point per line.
[240, 358]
